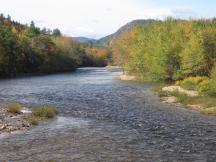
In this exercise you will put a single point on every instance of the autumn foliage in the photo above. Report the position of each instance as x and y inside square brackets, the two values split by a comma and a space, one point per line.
[168, 50]
[29, 49]
[97, 56]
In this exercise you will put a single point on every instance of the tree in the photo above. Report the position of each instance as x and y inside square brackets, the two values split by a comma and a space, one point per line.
[209, 47]
[33, 31]
[9, 43]
[27, 49]
[32, 24]
[9, 18]
[167, 50]
[56, 32]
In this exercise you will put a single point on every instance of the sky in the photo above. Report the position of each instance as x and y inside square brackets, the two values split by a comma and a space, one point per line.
[98, 18]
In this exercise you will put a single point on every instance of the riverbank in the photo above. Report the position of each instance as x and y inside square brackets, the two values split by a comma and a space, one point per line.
[127, 77]
[123, 75]
[189, 98]
[177, 95]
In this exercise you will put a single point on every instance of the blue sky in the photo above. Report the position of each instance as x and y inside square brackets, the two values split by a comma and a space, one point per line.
[97, 18]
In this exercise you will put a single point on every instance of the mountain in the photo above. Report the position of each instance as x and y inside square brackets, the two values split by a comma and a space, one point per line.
[84, 40]
[105, 41]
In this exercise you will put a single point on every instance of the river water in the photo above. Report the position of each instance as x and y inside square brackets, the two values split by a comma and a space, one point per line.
[105, 120]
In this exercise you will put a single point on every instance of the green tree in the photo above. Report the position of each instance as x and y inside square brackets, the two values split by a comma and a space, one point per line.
[33, 31]
[56, 33]
[8, 41]
[193, 60]
[209, 46]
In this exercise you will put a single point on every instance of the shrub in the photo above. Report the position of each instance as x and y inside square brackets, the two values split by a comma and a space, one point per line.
[187, 84]
[197, 79]
[14, 107]
[181, 97]
[41, 113]
[178, 82]
[212, 90]
[32, 119]
[204, 87]
[211, 111]
[191, 83]
[44, 112]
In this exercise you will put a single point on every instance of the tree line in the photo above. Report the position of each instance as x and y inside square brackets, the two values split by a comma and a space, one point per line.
[29, 49]
[181, 51]
[168, 50]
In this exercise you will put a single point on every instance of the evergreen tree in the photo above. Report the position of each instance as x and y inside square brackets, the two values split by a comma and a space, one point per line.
[56, 33]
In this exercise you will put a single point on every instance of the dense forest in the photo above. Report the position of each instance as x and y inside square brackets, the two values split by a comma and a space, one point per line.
[29, 49]
[169, 50]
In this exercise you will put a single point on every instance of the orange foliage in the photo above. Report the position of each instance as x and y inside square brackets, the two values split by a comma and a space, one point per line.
[99, 56]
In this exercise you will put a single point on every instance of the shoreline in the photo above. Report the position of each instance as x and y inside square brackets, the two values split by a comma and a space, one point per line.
[176, 95]
[126, 77]
[170, 97]
[36, 74]
[123, 75]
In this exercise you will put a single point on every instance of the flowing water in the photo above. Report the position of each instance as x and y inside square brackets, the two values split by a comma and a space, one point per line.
[104, 119]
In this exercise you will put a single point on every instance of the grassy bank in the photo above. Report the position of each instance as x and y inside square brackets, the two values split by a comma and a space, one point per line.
[203, 103]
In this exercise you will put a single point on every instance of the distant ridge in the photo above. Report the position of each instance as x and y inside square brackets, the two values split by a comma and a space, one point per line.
[105, 41]
[84, 40]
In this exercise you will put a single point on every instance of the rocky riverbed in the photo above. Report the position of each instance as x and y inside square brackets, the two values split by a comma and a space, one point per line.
[104, 119]
[10, 122]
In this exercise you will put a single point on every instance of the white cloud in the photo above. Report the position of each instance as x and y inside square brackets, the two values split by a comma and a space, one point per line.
[94, 18]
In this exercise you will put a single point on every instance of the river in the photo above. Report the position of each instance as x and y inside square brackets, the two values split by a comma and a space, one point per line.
[105, 120]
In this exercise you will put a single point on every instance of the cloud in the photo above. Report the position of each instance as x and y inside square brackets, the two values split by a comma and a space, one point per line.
[95, 21]
[97, 18]
[184, 13]
[38, 21]
[109, 9]
[159, 13]
[82, 31]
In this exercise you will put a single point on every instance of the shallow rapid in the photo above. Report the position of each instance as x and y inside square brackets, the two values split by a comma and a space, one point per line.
[104, 119]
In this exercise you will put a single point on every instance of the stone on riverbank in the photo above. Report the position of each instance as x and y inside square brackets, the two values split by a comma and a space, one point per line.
[126, 77]
[170, 99]
[181, 90]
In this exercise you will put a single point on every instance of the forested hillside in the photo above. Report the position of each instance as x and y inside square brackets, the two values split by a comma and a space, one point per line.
[168, 50]
[85, 40]
[106, 41]
[29, 49]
